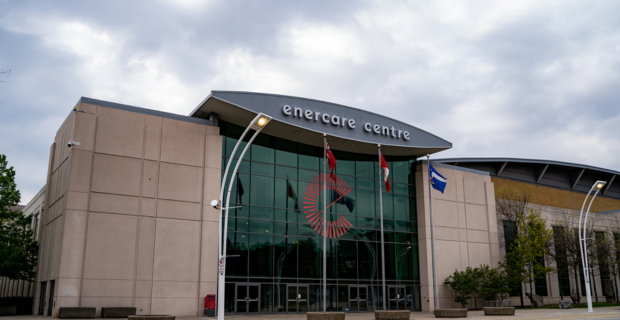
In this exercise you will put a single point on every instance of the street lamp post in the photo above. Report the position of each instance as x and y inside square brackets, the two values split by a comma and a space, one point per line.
[257, 124]
[598, 185]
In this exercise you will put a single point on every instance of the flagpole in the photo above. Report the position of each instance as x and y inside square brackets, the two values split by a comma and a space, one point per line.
[324, 222]
[430, 201]
[381, 222]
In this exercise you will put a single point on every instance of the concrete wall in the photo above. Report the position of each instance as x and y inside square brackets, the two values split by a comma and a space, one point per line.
[465, 224]
[129, 221]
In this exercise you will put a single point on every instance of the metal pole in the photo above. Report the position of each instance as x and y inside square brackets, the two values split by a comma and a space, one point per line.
[324, 222]
[584, 248]
[381, 222]
[222, 275]
[430, 205]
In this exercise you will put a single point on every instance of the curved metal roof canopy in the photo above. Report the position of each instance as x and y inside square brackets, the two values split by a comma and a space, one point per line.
[556, 174]
[305, 120]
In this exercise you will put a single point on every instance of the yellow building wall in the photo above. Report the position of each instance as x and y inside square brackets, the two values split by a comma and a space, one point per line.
[548, 196]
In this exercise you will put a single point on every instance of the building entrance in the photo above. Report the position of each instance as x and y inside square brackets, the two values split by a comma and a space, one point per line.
[397, 298]
[297, 298]
[358, 298]
[247, 298]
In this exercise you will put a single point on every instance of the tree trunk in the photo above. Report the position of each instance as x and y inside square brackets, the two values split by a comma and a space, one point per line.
[578, 287]
[531, 290]
[594, 285]
[521, 294]
[616, 290]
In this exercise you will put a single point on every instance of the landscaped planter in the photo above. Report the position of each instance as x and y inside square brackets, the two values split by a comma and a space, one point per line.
[325, 315]
[499, 311]
[392, 314]
[451, 313]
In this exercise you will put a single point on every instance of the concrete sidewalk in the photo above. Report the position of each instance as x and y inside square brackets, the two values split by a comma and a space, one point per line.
[600, 313]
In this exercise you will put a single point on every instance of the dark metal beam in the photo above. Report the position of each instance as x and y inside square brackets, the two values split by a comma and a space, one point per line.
[575, 177]
[540, 173]
[611, 179]
[501, 168]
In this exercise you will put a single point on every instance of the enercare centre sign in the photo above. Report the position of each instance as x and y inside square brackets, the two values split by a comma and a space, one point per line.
[341, 121]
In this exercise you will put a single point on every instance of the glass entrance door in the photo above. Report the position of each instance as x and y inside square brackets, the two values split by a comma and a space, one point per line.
[297, 298]
[247, 298]
[397, 297]
[358, 298]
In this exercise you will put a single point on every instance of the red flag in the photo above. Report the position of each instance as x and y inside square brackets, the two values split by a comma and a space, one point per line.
[386, 172]
[331, 161]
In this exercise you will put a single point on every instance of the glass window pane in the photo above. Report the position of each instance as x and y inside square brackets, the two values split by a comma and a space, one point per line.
[262, 191]
[261, 254]
[369, 223]
[286, 172]
[401, 207]
[286, 195]
[262, 168]
[400, 171]
[286, 152]
[399, 188]
[364, 166]
[237, 244]
[261, 150]
[240, 225]
[388, 205]
[307, 175]
[347, 260]
[286, 215]
[285, 228]
[366, 183]
[261, 213]
[309, 264]
[404, 270]
[402, 226]
[403, 237]
[260, 226]
[367, 256]
[388, 225]
[365, 203]
[285, 257]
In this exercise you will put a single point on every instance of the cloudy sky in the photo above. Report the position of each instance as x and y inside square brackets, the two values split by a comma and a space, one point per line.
[527, 79]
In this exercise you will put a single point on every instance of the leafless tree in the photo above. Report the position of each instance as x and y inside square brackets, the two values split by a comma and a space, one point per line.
[510, 203]
[566, 250]
[612, 248]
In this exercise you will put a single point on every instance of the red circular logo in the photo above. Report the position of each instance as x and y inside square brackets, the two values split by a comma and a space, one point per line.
[338, 189]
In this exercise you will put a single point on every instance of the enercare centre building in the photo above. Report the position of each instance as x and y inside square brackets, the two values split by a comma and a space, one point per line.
[126, 217]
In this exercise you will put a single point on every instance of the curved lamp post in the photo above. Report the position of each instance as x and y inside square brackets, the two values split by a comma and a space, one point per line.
[258, 123]
[598, 185]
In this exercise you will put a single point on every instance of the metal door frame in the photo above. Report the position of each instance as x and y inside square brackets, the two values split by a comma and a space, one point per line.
[42, 298]
[404, 296]
[297, 290]
[365, 286]
[247, 302]
[51, 298]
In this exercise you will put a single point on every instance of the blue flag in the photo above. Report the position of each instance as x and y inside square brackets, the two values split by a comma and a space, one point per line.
[437, 181]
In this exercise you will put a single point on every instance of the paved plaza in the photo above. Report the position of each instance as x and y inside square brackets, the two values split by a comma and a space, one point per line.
[573, 314]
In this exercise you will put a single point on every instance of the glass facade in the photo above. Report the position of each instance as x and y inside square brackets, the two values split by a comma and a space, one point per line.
[274, 242]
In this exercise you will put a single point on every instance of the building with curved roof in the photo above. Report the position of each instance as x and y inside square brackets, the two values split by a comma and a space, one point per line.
[128, 220]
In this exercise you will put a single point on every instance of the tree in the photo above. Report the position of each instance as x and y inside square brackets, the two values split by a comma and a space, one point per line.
[525, 261]
[511, 203]
[463, 284]
[18, 249]
[495, 283]
[565, 248]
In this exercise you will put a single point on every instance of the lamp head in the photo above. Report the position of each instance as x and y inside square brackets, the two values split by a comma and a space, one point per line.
[260, 122]
[599, 184]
